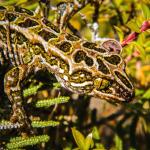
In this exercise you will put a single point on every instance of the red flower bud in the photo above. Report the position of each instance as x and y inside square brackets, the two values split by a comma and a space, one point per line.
[129, 39]
[145, 26]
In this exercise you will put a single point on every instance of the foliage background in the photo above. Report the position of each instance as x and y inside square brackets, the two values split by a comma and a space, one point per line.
[102, 125]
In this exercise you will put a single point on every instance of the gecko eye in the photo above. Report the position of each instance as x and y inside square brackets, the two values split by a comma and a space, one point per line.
[112, 46]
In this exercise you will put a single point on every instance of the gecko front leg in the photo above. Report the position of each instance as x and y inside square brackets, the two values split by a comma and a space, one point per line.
[12, 87]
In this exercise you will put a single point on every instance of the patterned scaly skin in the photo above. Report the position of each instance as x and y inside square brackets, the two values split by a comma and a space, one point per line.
[29, 43]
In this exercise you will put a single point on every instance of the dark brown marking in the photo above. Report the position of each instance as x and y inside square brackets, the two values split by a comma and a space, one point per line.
[89, 61]
[15, 35]
[38, 48]
[102, 67]
[79, 56]
[64, 46]
[21, 38]
[46, 35]
[2, 8]
[89, 45]
[71, 37]
[2, 58]
[105, 84]
[28, 23]
[63, 65]
[23, 10]
[92, 46]
[123, 79]
[101, 50]
[113, 59]
[52, 26]
[76, 76]
[3, 32]
[11, 16]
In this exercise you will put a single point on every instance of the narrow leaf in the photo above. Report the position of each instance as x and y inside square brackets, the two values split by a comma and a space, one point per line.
[133, 25]
[79, 138]
[95, 133]
[88, 142]
[147, 94]
[146, 11]
[118, 143]
[120, 33]
[19, 142]
[42, 124]
[52, 101]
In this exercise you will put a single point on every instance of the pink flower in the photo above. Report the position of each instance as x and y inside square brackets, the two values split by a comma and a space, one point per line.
[130, 38]
[145, 26]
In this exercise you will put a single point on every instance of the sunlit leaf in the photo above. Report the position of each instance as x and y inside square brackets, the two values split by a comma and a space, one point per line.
[146, 11]
[88, 142]
[79, 138]
[117, 2]
[125, 17]
[120, 33]
[118, 143]
[147, 94]
[99, 146]
[139, 48]
[138, 92]
[133, 25]
[95, 133]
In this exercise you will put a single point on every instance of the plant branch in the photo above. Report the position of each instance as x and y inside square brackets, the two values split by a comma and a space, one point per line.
[134, 35]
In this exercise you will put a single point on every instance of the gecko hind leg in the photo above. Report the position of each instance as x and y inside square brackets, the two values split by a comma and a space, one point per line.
[12, 87]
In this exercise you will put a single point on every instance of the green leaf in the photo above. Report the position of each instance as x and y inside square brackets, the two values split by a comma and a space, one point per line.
[88, 142]
[146, 11]
[125, 17]
[117, 2]
[133, 25]
[42, 124]
[19, 142]
[52, 101]
[21, 2]
[56, 85]
[79, 138]
[139, 92]
[32, 90]
[139, 48]
[118, 143]
[132, 148]
[147, 94]
[120, 33]
[141, 38]
[95, 133]
[99, 146]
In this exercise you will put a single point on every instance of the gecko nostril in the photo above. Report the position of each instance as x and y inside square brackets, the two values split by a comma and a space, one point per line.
[132, 94]
[128, 95]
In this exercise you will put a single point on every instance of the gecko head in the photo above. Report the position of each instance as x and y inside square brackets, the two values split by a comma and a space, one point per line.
[113, 83]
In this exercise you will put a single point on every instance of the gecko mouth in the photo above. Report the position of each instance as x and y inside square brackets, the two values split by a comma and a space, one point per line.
[115, 91]
[125, 93]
